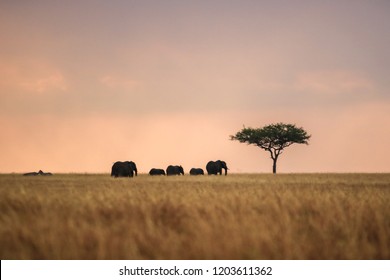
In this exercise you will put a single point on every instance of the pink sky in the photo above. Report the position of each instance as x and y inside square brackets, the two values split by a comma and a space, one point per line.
[86, 83]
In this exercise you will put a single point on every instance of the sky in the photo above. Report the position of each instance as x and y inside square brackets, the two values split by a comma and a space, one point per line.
[86, 83]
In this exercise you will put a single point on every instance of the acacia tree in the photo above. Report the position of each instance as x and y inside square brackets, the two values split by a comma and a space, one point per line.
[273, 138]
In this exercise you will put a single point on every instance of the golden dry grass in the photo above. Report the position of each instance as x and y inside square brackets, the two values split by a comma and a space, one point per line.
[240, 216]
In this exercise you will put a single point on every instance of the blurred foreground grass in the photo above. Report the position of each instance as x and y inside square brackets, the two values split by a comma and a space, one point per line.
[240, 216]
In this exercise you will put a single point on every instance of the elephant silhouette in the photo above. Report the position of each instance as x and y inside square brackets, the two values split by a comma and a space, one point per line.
[175, 170]
[196, 171]
[39, 173]
[215, 167]
[156, 171]
[124, 169]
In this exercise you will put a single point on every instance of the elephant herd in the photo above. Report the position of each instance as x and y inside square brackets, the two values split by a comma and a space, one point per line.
[129, 169]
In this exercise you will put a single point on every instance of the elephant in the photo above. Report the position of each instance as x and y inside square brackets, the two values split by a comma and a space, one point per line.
[124, 169]
[196, 171]
[156, 171]
[40, 172]
[215, 167]
[174, 170]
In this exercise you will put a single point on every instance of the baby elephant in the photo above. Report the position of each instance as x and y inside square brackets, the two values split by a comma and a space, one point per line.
[156, 171]
[196, 171]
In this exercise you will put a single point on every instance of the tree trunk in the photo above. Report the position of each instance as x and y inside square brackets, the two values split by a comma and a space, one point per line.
[274, 155]
[274, 166]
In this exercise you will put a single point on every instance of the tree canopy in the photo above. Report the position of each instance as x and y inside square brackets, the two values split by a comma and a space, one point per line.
[273, 138]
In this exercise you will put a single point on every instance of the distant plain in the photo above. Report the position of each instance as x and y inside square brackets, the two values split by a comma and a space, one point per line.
[239, 216]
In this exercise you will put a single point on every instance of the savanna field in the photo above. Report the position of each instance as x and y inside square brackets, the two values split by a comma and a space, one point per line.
[240, 216]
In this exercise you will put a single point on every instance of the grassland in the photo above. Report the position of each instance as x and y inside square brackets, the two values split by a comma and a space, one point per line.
[240, 216]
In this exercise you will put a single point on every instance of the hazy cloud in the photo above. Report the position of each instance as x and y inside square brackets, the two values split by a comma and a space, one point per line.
[115, 82]
[53, 82]
[333, 83]
[30, 76]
